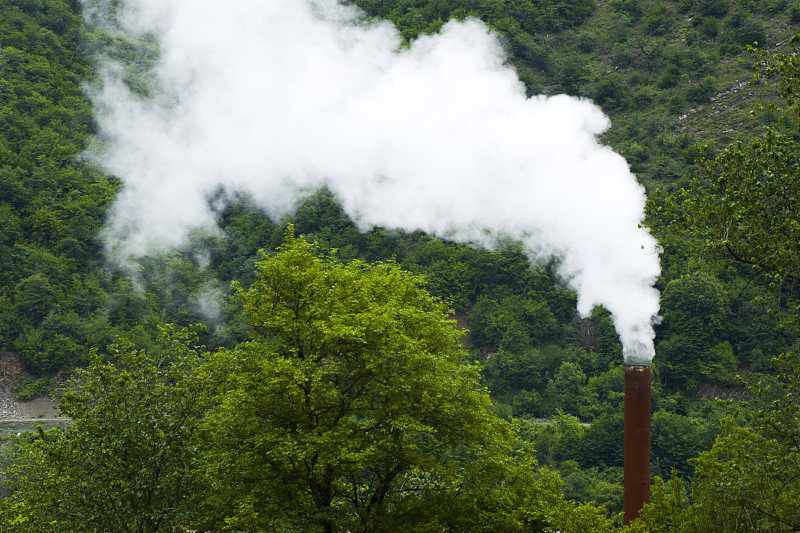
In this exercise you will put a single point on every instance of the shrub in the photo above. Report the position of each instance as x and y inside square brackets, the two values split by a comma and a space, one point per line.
[586, 43]
[612, 93]
[709, 28]
[751, 31]
[701, 91]
[660, 21]
[28, 388]
[636, 153]
[775, 7]
[669, 78]
[714, 8]
[534, 55]
[644, 96]
[623, 57]
[794, 13]
[632, 8]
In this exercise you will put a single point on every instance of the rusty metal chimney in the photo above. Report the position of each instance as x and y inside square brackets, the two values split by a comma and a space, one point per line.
[636, 482]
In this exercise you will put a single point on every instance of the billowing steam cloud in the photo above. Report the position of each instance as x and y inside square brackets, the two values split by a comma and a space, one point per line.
[277, 97]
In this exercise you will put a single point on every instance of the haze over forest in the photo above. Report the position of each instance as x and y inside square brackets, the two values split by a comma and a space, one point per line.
[580, 183]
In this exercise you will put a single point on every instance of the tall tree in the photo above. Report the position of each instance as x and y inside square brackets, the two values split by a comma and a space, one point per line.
[352, 409]
[750, 479]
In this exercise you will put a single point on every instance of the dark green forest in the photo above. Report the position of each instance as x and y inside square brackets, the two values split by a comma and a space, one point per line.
[517, 394]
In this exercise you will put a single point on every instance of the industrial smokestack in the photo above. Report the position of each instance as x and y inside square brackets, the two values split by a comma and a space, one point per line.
[636, 491]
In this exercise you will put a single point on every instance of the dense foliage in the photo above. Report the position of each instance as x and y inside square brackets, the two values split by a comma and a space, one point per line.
[748, 480]
[127, 462]
[743, 209]
[666, 72]
[351, 409]
[52, 205]
[742, 212]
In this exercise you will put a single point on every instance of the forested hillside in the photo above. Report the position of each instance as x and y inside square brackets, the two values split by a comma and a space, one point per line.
[674, 77]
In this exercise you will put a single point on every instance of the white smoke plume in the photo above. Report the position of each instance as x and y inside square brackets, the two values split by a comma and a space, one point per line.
[275, 97]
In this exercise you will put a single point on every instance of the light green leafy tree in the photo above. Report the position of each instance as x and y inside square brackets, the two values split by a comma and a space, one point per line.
[567, 390]
[353, 409]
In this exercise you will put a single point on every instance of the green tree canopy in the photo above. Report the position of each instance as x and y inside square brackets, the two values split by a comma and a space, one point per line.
[750, 479]
[352, 408]
[695, 313]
